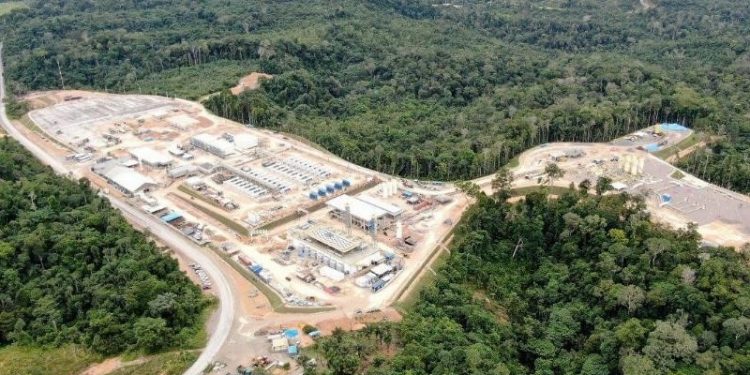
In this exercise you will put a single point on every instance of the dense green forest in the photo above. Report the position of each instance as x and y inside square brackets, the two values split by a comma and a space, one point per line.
[726, 163]
[584, 284]
[72, 270]
[415, 87]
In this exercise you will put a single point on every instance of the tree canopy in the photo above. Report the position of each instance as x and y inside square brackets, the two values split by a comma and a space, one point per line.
[583, 284]
[413, 87]
[72, 270]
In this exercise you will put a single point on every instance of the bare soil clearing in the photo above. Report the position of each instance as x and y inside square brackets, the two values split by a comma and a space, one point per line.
[250, 82]
[110, 365]
[721, 216]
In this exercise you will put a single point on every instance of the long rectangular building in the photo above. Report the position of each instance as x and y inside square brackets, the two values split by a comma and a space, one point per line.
[122, 178]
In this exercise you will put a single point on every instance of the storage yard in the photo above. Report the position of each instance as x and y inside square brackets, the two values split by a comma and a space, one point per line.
[317, 230]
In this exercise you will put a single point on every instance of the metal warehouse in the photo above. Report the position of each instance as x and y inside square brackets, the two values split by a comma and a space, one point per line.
[124, 179]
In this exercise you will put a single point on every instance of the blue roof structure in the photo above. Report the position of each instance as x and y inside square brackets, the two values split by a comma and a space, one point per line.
[291, 333]
[292, 350]
[172, 216]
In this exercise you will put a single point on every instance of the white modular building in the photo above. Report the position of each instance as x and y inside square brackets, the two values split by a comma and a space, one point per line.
[151, 157]
[391, 210]
[215, 145]
[362, 213]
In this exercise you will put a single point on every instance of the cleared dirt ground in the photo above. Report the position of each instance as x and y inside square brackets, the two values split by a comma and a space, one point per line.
[250, 82]
[110, 365]
[722, 216]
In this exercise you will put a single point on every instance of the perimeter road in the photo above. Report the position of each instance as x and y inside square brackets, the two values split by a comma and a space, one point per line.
[174, 240]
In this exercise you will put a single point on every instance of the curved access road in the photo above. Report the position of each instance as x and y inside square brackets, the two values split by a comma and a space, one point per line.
[170, 237]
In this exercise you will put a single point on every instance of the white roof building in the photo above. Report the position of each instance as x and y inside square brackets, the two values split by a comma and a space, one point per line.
[148, 155]
[359, 209]
[619, 186]
[391, 209]
[127, 180]
[213, 144]
[244, 141]
[381, 269]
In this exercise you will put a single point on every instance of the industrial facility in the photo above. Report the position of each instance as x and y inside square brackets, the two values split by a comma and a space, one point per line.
[310, 230]
[316, 229]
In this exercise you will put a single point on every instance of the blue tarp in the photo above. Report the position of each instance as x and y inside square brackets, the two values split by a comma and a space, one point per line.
[256, 268]
[652, 147]
[292, 350]
[666, 198]
[677, 128]
[291, 333]
[172, 216]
